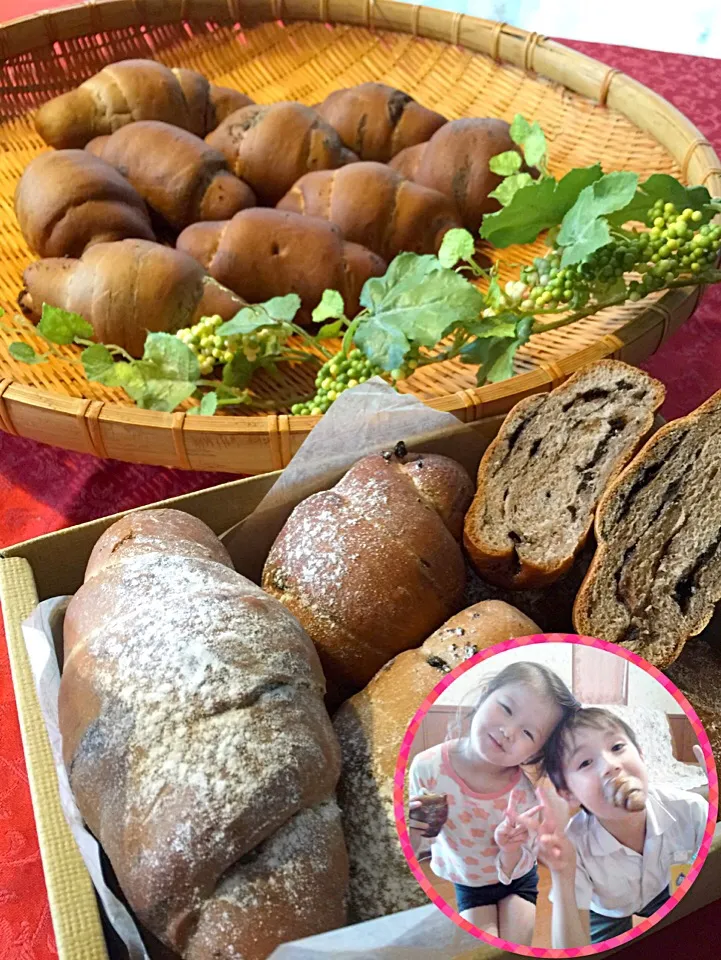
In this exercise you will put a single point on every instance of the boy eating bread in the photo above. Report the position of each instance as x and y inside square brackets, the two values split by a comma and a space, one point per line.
[616, 858]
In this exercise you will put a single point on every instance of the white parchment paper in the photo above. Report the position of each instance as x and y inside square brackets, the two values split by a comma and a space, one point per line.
[42, 632]
[370, 418]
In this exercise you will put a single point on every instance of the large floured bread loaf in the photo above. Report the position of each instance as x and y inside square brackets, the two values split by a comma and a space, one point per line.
[371, 726]
[198, 746]
[540, 479]
[656, 576]
[372, 566]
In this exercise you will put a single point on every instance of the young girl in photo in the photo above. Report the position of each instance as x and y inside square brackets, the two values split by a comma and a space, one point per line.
[486, 846]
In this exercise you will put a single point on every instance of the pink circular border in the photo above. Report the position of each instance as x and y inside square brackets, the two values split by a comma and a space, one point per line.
[399, 807]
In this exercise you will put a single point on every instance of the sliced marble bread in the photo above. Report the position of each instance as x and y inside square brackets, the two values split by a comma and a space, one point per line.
[540, 479]
[656, 575]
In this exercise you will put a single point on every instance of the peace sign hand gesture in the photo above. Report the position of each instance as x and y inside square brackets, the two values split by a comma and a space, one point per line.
[554, 847]
[516, 828]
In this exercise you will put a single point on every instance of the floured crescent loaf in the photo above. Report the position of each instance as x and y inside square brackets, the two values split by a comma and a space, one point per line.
[198, 746]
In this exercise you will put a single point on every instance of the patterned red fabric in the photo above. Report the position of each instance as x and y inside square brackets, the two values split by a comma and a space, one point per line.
[44, 489]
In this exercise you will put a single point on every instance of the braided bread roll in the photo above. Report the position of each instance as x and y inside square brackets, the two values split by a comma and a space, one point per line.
[197, 744]
[132, 90]
[67, 200]
[176, 173]
[376, 207]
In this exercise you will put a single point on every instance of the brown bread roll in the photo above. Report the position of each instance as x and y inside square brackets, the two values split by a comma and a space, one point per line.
[268, 253]
[198, 747]
[178, 175]
[373, 565]
[272, 146]
[376, 207]
[127, 288]
[132, 90]
[542, 476]
[370, 728]
[376, 121]
[455, 162]
[67, 200]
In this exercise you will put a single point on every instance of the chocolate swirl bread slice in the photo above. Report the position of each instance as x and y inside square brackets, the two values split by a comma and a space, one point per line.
[656, 575]
[541, 478]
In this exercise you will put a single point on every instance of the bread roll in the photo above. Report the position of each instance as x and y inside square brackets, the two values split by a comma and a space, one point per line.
[132, 90]
[197, 744]
[373, 565]
[269, 253]
[127, 288]
[178, 175]
[455, 162]
[67, 200]
[540, 479]
[371, 727]
[377, 121]
[375, 207]
[272, 146]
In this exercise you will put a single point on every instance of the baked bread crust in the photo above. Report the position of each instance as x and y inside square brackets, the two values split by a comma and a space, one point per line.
[373, 565]
[371, 726]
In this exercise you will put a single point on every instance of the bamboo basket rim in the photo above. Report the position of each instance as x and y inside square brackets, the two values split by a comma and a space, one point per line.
[531, 51]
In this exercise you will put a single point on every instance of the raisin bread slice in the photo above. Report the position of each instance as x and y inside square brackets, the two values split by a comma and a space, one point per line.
[540, 479]
[656, 575]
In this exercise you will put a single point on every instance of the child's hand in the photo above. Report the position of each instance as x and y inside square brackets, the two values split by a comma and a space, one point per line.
[427, 814]
[516, 828]
[554, 847]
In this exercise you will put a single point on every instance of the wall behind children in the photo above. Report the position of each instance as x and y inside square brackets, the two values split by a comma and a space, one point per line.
[636, 689]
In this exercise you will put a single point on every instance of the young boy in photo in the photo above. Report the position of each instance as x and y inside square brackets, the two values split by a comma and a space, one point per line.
[613, 860]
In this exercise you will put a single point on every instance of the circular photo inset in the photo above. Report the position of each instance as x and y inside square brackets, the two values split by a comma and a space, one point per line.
[556, 795]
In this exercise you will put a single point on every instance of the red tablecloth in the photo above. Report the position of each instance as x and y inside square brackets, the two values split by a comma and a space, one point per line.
[44, 489]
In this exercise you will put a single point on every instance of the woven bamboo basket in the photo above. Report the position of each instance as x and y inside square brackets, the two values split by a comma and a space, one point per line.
[301, 50]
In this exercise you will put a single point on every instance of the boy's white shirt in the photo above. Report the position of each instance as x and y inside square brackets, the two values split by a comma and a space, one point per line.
[615, 881]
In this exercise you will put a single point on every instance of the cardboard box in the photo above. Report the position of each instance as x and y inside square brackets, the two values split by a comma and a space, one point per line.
[53, 565]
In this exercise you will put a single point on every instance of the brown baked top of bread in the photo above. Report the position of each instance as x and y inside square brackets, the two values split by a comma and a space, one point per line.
[370, 728]
[156, 531]
[656, 575]
[372, 565]
[540, 479]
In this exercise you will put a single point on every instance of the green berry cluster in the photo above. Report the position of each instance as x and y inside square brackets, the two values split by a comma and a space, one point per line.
[338, 374]
[212, 349]
[678, 243]
[341, 373]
